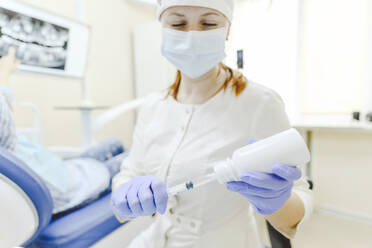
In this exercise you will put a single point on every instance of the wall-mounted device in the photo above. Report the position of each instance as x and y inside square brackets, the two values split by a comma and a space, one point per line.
[369, 117]
[240, 59]
[356, 116]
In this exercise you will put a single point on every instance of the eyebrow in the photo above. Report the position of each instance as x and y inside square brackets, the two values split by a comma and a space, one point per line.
[176, 14]
[211, 13]
[181, 15]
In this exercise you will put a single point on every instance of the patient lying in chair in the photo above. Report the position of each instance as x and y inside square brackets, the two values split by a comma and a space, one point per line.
[72, 183]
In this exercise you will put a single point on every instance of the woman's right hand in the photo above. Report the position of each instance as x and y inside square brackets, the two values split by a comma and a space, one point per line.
[8, 65]
[142, 196]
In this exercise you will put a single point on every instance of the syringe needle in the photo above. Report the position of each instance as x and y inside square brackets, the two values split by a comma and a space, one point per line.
[204, 182]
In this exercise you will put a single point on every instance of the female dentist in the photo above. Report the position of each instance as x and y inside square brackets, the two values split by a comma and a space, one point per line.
[208, 113]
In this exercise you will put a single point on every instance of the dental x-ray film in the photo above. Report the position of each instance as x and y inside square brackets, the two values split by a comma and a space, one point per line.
[45, 42]
[38, 43]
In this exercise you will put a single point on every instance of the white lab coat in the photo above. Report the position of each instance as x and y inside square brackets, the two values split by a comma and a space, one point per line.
[178, 142]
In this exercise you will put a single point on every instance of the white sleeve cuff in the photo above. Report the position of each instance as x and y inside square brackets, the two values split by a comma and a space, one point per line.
[306, 197]
[127, 173]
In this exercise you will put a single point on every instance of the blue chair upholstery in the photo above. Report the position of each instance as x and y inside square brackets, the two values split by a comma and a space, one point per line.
[81, 228]
[18, 172]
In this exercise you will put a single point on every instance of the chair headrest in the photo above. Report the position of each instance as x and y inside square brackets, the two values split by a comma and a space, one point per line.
[19, 173]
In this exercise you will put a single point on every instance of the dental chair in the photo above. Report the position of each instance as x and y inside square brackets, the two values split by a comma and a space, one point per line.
[26, 211]
[26, 215]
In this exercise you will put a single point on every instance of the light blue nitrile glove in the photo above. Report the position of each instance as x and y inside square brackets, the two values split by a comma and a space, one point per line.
[142, 196]
[267, 192]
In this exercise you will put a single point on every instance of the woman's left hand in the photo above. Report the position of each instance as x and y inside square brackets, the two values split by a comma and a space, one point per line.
[267, 192]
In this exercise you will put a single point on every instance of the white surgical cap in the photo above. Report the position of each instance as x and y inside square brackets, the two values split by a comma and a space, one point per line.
[226, 7]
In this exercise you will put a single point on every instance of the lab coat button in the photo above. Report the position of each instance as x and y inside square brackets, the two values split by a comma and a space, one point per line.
[179, 220]
[192, 224]
[171, 211]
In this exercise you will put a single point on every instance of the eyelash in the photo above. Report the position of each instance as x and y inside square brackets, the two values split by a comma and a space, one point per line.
[204, 24]
[179, 25]
[210, 24]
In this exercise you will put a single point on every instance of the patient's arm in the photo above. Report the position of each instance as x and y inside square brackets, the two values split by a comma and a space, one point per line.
[7, 125]
[8, 65]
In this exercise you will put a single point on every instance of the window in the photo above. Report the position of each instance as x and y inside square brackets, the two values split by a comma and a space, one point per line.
[333, 56]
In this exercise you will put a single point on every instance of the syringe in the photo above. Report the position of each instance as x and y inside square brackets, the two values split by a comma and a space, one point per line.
[189, 185]
[175, 190]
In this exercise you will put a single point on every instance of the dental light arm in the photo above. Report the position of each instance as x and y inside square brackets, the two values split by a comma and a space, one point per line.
[114, 113]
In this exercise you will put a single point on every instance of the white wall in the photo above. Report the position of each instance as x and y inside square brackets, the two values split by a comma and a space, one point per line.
[342, 163]
[153, 72]
[110, 72]
[333, 69]
[269, 36]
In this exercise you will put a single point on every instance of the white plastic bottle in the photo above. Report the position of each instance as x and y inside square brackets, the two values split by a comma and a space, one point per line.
[287, 147]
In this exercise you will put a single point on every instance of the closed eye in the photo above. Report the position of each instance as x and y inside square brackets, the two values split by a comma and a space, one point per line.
[178, 25]
[210, 24]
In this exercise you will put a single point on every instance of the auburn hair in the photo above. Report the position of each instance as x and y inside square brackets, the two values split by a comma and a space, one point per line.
[234, 78]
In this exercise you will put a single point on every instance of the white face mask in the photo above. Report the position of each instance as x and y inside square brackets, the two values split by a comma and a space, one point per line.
[194, 53]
